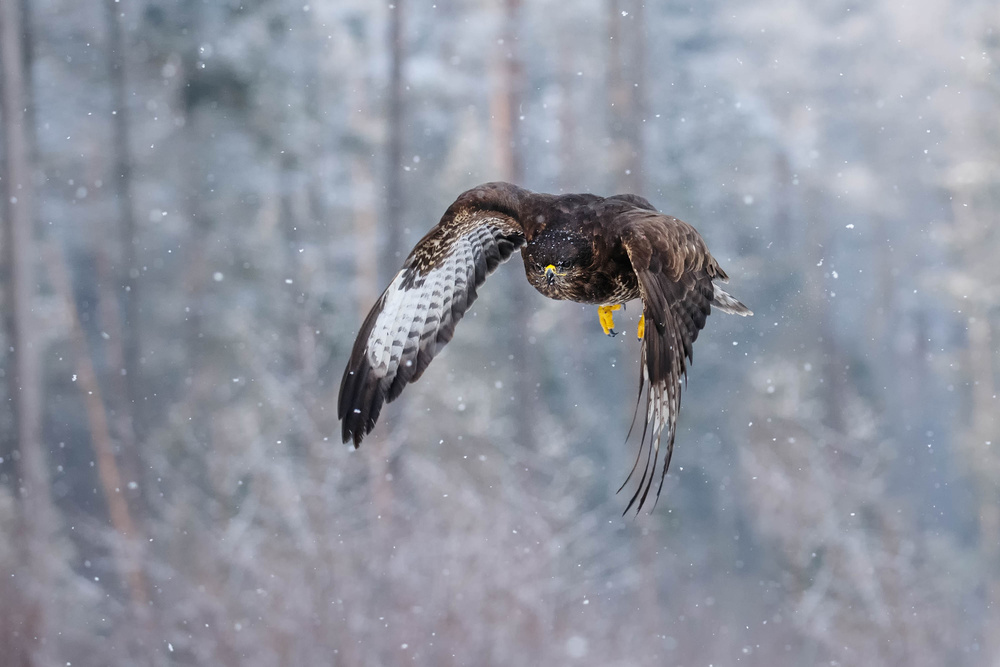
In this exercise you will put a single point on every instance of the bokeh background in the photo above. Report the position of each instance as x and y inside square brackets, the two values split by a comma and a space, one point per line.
[201, 200]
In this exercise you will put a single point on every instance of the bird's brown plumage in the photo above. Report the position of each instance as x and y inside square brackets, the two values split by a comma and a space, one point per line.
[598, 250]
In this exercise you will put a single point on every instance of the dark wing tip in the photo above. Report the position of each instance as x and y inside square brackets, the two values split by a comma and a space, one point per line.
[362, 391]
[361, 398]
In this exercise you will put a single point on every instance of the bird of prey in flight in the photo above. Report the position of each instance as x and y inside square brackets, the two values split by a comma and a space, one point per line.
[578, 247]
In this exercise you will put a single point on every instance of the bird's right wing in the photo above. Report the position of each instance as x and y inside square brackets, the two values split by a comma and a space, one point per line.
[416, 315]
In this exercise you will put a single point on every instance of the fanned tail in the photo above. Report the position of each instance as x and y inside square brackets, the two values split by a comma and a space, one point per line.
[727, 303]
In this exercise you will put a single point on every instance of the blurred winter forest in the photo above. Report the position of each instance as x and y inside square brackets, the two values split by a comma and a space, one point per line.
[202, 199]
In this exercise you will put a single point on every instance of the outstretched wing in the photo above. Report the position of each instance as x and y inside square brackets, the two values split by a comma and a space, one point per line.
[675, 271]
[416, 315]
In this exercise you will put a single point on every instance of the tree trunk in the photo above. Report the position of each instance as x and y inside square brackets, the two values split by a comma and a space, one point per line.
[626, 62]
[569, 173]
[112, 323]
[638, 91]
[365, 233]
[128, 267]
[128, 546]
[394, 244]
[507, 99]
[37, 518]
[506, 105]
[977, 259]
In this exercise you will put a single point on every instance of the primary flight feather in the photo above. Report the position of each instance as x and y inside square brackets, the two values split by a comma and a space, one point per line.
[581, 247]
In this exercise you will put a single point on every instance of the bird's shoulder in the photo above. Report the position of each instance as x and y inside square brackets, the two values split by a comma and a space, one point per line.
[662, 242]
[491, 210]
[583, 213]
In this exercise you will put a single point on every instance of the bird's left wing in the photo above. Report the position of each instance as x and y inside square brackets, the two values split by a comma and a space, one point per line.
[675, 271]
[416, 315]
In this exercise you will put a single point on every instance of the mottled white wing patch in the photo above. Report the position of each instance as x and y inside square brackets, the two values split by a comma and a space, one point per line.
[412, 315]
[417, 313]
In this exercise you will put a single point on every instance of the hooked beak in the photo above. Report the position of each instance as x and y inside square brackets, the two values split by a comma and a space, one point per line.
[551, 273]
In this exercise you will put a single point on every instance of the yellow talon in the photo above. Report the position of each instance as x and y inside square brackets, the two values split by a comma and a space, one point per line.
[642, 327]
[607, 319]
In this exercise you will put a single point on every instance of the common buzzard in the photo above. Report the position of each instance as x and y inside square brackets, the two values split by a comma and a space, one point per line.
[578, 247]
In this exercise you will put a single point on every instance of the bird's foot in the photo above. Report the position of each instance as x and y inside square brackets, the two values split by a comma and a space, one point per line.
[642, 327]
[604, 314]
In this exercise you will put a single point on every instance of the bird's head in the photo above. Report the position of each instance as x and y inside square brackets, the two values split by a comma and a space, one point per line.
[558, 258]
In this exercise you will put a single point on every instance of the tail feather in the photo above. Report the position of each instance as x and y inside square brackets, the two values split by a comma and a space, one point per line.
[727, 303]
